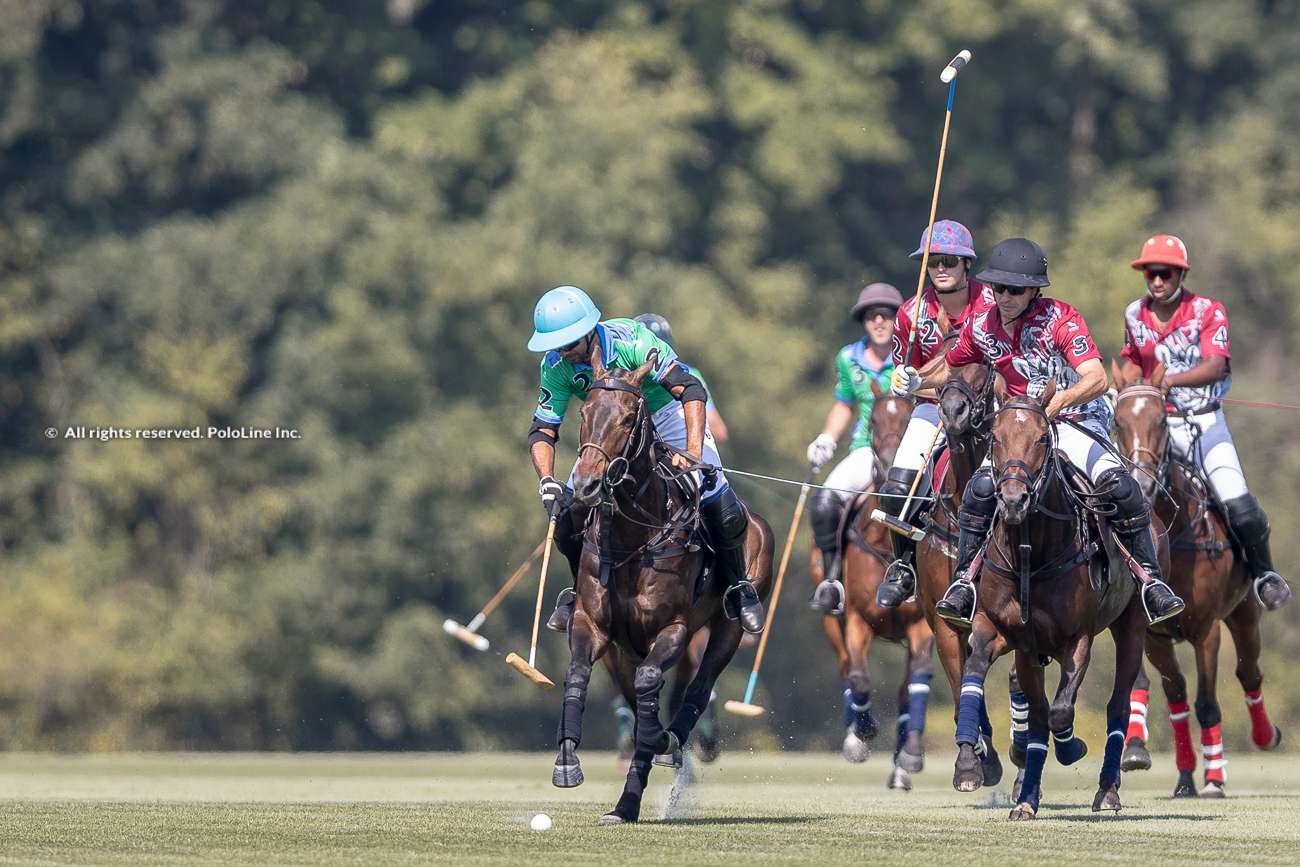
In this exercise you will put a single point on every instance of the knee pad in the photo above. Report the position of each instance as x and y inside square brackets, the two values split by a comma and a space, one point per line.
[825, 510]
[1247, 516]
[727, 513]
[894, 490]
[1123, 492]
[980, 496]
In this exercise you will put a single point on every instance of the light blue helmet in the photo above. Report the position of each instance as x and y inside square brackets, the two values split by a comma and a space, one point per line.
[563, 315]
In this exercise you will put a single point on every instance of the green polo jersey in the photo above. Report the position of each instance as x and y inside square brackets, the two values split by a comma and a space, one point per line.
[853, 386]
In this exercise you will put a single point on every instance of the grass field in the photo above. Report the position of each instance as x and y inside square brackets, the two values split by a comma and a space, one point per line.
[474, 808]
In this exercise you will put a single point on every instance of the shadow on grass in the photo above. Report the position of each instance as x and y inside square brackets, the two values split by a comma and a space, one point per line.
[741, 820]
[1136, 817]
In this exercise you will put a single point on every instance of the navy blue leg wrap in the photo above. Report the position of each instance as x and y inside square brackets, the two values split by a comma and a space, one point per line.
[1069, 749]
[918, 697]
[860, 706]
[848, 704]
[1114, 747]
[986, 725]
[1035, 758]
[903, 720]
[970, 709]
[1019, 720]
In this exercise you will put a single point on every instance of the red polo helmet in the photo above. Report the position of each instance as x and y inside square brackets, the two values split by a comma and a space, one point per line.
[1162, 250]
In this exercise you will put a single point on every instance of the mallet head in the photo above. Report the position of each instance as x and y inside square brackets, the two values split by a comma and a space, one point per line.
[473, 639]
[954, 66]
[894, 525]
[742, 709]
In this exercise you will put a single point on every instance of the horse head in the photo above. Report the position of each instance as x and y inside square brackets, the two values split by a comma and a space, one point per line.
[965, 401]
[1021, 448]
[615, 434]
[888, 421]
[1141, 426]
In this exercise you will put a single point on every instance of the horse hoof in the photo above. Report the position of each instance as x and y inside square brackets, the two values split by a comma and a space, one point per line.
[1185, 788]
[899, 779]
[566, 776]
[1136, 757]
[1107, 799]
[1017, 755]
[1018, 785]
[990, 764]
[855, 749]
[611, 819]
[1022, 811]
[910, 762]
[967, 774]
[707, 750]
[1275, 742]
[1213, 790]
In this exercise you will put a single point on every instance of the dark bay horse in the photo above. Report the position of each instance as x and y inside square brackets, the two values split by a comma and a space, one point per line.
[644, 608]
[1037, 598]
[1210, 575]
[866, 554]
[966, 404]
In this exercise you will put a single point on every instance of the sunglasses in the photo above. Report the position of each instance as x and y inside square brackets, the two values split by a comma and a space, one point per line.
[878, 313]
[1013, 291]
[947, 260]
[1163, 273]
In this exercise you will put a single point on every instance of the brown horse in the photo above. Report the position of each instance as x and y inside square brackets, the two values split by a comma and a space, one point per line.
[866, 553]
[1037, 535]
[637, 583]
[1211, 576]
[966, 404]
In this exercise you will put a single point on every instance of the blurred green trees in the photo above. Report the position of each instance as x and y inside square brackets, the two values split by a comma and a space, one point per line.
[336, 217]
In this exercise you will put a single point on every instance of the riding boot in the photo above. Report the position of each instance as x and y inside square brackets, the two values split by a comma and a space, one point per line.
[1132, 526]
[974, 519]
[899, 583]
[1250, 525]
[826, 508]
[727, 523]
[569, 527]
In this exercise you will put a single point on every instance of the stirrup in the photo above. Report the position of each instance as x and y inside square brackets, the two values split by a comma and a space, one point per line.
[838, 586]
[566, 598]
[1264, 579]
[1142, 594]
[899, 563]
[731, 606]
[952, 616]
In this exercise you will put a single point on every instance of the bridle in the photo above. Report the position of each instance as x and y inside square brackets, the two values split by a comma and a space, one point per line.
[1159, 461]
[1016, 470]
[617, 466]
[979, 402]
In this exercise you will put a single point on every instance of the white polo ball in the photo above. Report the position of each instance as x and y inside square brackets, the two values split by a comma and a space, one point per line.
[540, 822]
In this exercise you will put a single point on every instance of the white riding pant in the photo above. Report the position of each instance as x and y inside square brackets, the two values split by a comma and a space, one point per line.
[915, 446]
[1218, 453]
[670, 423]
[854, 473]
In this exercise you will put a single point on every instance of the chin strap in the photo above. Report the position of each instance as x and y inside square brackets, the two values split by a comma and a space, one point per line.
[1173, 300]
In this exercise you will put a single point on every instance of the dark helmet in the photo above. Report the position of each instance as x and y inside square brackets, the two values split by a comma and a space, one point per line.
[658, 326]
[1016, 262]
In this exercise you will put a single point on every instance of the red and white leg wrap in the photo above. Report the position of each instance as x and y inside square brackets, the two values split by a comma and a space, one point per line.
[1184, 758]
[1138, 701]
[1216, 766]
[1261, 727]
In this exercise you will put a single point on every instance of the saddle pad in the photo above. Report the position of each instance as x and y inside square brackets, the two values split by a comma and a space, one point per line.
[940, 472]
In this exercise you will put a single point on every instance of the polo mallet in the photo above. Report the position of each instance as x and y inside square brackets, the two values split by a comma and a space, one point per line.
[469, 633]
[514, 660]
[744, 708]
[948, 77]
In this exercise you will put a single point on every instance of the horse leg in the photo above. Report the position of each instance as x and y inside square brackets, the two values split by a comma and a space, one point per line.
[862, 728]
[1208, 716]
[724, 638]
[1060, 718]
[651, 739]
[987, 644]
[708, 745]
[1030, 678]
[1128, 632]
[1160, 651]
[1243, 623]
[624, 718]
[1136, 757]
[586, 643]
[920, 671]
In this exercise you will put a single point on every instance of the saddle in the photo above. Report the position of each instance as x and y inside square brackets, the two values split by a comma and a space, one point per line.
[849, 534]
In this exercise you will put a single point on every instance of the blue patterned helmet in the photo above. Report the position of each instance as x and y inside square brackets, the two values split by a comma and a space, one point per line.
[949, 237]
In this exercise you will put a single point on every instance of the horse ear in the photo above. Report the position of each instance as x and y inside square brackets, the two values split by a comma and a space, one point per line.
[1117, 373]
[1048, 392]
[597, 360]
[1158, 377]
[876, 390]
[999, 388]
[640, 373]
